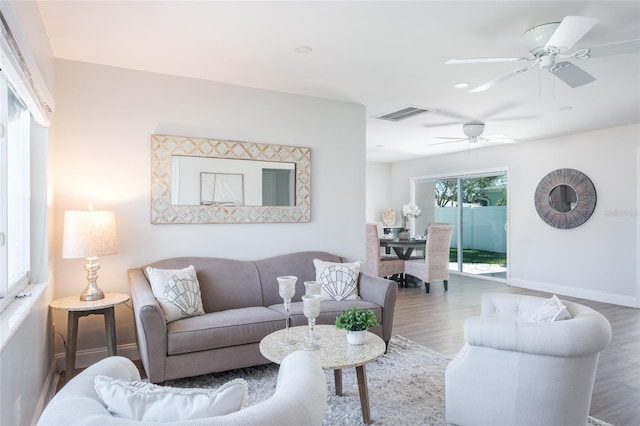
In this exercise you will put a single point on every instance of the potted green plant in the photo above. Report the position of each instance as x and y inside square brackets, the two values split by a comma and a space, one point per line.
[356, 322]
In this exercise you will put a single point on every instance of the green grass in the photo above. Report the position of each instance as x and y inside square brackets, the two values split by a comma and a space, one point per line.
[479, 256]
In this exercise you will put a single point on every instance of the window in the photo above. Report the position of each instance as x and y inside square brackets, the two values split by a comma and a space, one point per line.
[14, 191]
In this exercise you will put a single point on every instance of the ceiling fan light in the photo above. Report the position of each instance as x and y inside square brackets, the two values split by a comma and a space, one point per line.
[473, 130]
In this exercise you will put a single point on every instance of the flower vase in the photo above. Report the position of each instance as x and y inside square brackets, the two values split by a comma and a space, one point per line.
[356, 337]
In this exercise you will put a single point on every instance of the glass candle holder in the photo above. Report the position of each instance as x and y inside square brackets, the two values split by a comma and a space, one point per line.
[311, 310]
[287, 289]
[312, 287]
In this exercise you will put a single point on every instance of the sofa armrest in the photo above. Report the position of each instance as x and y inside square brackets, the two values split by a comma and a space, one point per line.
[586, 333]
[151, 327]
[382, 292]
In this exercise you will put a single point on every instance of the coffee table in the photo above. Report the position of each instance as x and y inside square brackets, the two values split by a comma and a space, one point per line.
[335, 354]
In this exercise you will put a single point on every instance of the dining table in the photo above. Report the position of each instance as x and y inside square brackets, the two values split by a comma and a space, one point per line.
[403, 248]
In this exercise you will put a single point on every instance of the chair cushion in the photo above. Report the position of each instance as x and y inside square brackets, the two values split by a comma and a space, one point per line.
[177, 292]
[339, 280]
[147, 402]
[551, 310]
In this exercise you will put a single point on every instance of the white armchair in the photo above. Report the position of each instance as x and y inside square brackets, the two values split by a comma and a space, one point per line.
[300, 398]
[515, 372]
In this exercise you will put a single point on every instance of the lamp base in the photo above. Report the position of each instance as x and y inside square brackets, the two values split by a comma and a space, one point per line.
[90, 294]
[92, 291]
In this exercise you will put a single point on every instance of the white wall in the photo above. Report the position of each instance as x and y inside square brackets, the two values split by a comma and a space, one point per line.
[101, 154]
[596, 260]
[378, 191]
[25, 358]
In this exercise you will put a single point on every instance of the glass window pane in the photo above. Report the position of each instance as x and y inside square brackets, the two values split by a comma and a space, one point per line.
[18, 218]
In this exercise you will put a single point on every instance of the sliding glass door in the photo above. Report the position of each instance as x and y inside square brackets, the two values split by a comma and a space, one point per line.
[477, 207]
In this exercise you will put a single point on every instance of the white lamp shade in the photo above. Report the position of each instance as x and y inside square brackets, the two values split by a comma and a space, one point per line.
[89, 233]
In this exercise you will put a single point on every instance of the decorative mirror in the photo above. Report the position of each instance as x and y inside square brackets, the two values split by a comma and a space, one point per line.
[565, 198]
[219, 181]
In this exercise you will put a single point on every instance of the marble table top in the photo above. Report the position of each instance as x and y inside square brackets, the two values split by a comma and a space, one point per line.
[335, 352]
[73, 303]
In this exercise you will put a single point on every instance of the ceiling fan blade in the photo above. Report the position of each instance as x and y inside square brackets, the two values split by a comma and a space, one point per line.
[571, 74]
[483, 60]
[500, 79]
[499, 139]
[570, 30]
[452, 139]
[611, 49]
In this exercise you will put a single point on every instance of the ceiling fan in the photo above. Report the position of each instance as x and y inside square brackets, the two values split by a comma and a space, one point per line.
[548, 43]
[473, 134]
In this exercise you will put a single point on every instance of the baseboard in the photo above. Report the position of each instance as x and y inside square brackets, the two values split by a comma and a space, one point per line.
[91, 356]
[598, 296]
[48, 390]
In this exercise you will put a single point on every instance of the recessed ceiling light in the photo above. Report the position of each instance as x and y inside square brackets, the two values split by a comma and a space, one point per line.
[461, 85]
[303, 49]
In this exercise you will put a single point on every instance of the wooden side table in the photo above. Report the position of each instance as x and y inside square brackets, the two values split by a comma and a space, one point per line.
[78, 308]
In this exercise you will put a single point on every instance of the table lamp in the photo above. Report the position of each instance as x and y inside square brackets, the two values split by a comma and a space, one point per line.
[89, 234]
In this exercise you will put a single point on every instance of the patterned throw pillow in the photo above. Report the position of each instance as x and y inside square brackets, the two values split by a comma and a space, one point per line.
[339, 280]
[147, 402]
[551, 310]
[177, 292]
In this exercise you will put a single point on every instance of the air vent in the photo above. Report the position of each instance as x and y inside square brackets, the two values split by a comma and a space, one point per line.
[403, 114]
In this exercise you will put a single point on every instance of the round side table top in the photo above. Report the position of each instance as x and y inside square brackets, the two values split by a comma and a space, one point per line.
[73, 303]
[335, 352]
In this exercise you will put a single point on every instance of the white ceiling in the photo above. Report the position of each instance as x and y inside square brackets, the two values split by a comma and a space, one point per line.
[382, 54]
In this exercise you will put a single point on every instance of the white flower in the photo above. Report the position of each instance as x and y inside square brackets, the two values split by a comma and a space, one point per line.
[410, 210]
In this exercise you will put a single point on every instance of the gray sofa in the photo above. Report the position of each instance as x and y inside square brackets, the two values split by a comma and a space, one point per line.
[242, 305]
[300, 398]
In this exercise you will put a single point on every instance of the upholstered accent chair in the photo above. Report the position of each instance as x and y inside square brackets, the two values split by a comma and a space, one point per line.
[512, 371]
[435, 265]
[300, 398]
[377, 264]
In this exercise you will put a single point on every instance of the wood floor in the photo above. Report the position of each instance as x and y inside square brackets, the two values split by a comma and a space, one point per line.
[436, 320]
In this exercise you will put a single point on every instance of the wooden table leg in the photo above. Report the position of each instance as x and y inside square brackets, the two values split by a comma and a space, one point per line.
[337, 378]
[364, 394]
[110, 327]
[72, 341]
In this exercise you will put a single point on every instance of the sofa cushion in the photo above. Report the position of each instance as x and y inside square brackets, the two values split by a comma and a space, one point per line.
[177, 292]
[298, 264]
[329, 310]
[224, 283]
[339, 280]
[147, 402]
[551, 310]
[221, 329]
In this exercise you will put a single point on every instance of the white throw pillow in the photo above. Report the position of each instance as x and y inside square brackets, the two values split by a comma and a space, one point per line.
[551, 310]
[147, 402]
[339, 280]
[177, 292]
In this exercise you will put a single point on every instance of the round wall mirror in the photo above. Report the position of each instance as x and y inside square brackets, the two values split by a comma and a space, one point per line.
[565, 198]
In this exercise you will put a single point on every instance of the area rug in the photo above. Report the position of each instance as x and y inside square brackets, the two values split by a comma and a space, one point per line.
[406, 387]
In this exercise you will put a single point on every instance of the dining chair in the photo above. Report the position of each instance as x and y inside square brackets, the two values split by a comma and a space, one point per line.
[378, 265]
[435, 265]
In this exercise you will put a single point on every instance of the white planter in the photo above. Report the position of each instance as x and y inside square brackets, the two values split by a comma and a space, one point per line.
[357, 337]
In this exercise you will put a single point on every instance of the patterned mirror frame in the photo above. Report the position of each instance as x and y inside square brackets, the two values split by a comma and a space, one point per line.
[162, 211]
[585, 205]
